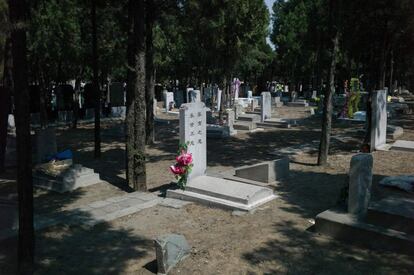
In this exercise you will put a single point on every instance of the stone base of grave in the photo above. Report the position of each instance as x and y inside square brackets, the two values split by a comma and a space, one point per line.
[394, 132]
[403, 145]
[266, 172]
[74, 177]
[245, 125]
[218, 131]
[118, 112]
[249, 117]
[388, 225]
[278, 104]
[274, 122]
[297, 104]
[350, 121]
[224, 193]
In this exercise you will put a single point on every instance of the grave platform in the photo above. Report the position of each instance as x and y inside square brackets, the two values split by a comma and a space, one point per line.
[297, 104]
[403, 145]
[69, 179]
[388, 225]
[249, 117]
[274, 122]
[218, 131]
[222, 193]
[394, 132]
[245, 125]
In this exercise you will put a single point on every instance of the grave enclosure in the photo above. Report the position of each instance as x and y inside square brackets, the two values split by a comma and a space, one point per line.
[205, 189]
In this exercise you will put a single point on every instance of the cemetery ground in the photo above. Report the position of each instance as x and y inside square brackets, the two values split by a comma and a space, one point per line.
[276, 239]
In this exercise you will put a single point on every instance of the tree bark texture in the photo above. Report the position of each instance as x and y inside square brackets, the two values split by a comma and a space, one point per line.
[149, 72]
[18, 18]
[327, 108]
[136, 103]
[97, 94]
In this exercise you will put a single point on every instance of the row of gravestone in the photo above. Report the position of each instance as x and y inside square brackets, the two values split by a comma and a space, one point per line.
[61, 97]
[176, 98]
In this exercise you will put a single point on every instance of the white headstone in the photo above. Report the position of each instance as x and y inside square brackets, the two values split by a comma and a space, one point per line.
[314, 94]
[230, 118]
[193, 131]
[218, 100]
[249, 94]
[188, 94]
[154, 107]
[10, 121]
[360, 180]
[379, 119]
[195, 96]
[266, 102]
[169, 100]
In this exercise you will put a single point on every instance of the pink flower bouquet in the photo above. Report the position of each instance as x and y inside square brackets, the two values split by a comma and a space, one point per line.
[182, 168]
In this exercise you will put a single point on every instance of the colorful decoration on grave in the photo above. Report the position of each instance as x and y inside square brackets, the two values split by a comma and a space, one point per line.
[354, 97]
[183, 166]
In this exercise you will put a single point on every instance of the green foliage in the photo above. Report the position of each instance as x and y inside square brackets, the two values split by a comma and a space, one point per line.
[207, 40]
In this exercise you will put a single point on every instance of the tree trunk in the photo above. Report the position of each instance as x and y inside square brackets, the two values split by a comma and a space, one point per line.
[327, 108]
[391, 88]
[5, 100]
[18, 12]
[136, 111]
[95, 81]
[76, 103]
[43, 100]
[149, 72]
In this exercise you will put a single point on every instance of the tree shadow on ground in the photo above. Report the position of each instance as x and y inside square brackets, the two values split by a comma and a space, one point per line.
[294, 250]
[74, 246]
[309, 193]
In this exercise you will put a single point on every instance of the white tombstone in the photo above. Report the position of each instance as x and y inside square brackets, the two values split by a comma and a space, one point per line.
[314, 94]
[266, 102]
[193, 131]
[154, 107]
[195, 96]
[379, 119]
[187, 93]
[118, 112]
[10, 121]
[360, 180]
[249, 94]
[218, 100]
[168, 100]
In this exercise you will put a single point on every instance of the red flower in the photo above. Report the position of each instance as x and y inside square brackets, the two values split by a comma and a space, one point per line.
[177, 169]
[184, 159]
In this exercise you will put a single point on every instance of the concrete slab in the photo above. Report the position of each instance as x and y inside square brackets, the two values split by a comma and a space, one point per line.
[340, 225]
[278, 124]
[245, 125]
[249, 117]
[75, 177]
[224, 193]
[394, 132]
[229, 175]
[403, 145]
[297, 104]
[392, 212]
[267, 172]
